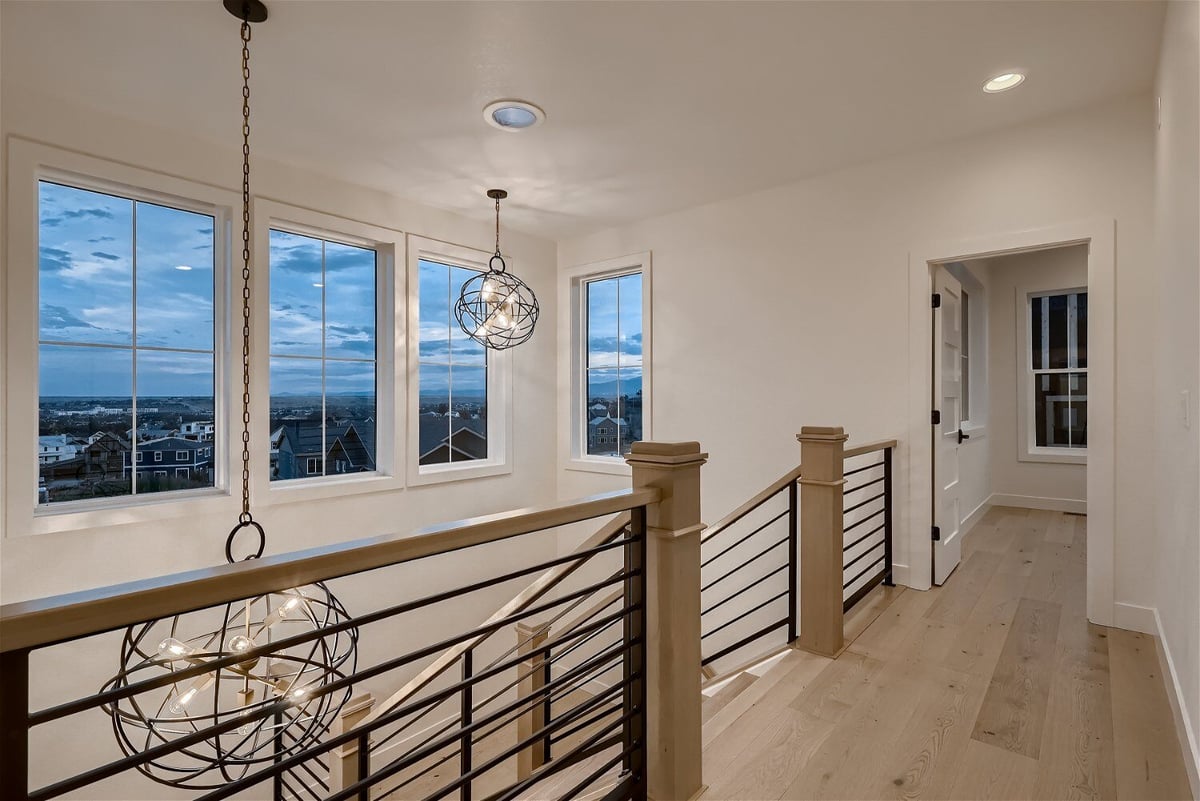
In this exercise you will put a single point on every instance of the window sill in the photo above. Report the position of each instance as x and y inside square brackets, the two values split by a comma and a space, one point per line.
[612, 466]
[323, 487]
[1054, 456]
[441, 474]
[106, 513]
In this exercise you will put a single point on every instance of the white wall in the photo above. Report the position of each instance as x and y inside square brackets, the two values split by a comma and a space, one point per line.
[1058, 268]
[34, 566]
[1176, 348]
[788, 307]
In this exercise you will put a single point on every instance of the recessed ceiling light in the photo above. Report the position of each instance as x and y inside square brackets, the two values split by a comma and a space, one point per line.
[512, 115]
[1004, 82]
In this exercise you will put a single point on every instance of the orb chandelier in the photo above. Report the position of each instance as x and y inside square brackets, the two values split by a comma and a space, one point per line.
[497, 309]
[287, 680]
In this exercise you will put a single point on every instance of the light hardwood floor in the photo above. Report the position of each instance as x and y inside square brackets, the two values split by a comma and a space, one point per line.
[993, 686]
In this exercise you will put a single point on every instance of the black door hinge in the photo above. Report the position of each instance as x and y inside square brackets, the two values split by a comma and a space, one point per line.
[937, 300]
[936, 532]
[935, 418]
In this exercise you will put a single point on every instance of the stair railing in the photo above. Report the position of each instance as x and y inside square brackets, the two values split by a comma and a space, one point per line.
[645, 725]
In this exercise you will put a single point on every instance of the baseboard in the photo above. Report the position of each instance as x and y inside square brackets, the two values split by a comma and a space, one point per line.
[969, 522]
[1071, 505]
[1183, 723]
[1136, 618]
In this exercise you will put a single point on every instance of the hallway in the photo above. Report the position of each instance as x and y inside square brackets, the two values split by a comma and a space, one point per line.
[993, 686]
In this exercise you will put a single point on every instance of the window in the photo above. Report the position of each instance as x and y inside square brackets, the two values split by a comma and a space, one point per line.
[160, 473]
[966, 355]
[125, 327]
[610, 307]
[158, 456]
[452, 370]
[323, 371]
[1056, 393]
[181, 456]
[182, 472]
[459, 411]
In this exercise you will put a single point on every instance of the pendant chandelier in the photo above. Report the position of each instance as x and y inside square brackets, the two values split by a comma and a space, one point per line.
[286, 680]
[497, 309]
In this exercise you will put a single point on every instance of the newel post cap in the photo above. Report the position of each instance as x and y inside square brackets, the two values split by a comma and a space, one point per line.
[822, 434]
[665, 454]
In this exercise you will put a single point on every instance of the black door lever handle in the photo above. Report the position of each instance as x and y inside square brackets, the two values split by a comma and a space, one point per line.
[962, 436]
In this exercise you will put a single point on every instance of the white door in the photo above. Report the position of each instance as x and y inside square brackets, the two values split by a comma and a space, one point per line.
[947, 434]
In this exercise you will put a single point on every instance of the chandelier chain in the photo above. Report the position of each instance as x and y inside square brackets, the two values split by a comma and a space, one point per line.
[497, 226]
[245, 516]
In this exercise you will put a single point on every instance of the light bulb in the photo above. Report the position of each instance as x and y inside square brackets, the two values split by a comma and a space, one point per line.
[179, 705]
[240, 642]
[172, 649]
[281, 613]
[488, 290]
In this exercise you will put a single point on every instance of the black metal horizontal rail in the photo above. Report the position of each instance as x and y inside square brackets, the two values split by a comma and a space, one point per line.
[749, 612]
[862, 556]
[881, 560]
[862, 591]
[742, 643]
[743, 590]
[861, 504]
[621, 790]
[858, 470]
[748, 562]
[706, 562]
[863, 486]
[864, 537]
[595, 744]
[166, 748]
[858, 523]
[175, 676]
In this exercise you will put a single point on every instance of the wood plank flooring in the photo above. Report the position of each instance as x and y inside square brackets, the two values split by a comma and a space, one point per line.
[993, 686]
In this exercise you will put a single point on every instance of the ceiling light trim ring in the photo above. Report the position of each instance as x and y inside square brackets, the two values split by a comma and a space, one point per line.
[509, 104]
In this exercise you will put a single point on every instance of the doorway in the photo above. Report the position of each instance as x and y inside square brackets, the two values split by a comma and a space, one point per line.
[1010, 389]
[1098, 236]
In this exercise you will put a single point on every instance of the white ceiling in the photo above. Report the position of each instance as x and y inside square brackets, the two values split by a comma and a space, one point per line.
[651, 106]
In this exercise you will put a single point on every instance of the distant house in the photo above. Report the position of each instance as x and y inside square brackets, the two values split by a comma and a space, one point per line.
[446, 438]
[144, 434]
[605, 434]
[58, 448]
[169, 457]
[105, 454]
[297, 448]
[201, 431]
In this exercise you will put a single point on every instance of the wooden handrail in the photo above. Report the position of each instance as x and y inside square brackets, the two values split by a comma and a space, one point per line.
[859, 450]
[542, 585]
[752, 504]
[44, 621]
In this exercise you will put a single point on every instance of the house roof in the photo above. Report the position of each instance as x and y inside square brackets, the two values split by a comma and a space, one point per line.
[435, 429]
[356, 439]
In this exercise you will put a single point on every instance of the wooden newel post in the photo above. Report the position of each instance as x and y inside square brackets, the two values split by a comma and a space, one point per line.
[530, 638]
[672, 616]
[821, 485]
[343, 766]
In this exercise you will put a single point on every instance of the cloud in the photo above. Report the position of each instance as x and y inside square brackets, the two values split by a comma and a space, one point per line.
[59, 318]
[99, 254]
[53, 260]
[70, 215]
[98, 239]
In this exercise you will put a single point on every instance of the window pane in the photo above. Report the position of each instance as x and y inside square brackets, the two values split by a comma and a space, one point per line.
[1081, 329]
[434, 417]
[603, 412]
[468, 413]
[630, 317]
[174, 278]
[629, 407]
[349, 301]
[602, 323]
[296, 294]
[85, 266]
[434, 310]
[1060, 410]
[84, 419]
[463, 349]
[350, 412]
[297, 412]
[1058, 331]
[1037, 317]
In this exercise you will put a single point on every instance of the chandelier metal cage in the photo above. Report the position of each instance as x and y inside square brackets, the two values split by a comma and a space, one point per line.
[290, 680]
[178, 709]
[497, 309]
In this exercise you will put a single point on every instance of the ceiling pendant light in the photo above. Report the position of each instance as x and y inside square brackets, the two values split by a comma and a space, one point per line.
[497, 309]
[287, 680]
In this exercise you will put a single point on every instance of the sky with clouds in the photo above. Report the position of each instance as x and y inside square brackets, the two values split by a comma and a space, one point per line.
[87, 254]
[614, 309]
[451, 362]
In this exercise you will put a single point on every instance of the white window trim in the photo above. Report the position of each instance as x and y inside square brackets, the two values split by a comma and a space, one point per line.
[499, 376]
[1027, 451]
[29, 162]
[158, 456]
[572, 341]
[388, 245]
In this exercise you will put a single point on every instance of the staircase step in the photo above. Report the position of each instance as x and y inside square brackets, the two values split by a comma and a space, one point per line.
[722, 697]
